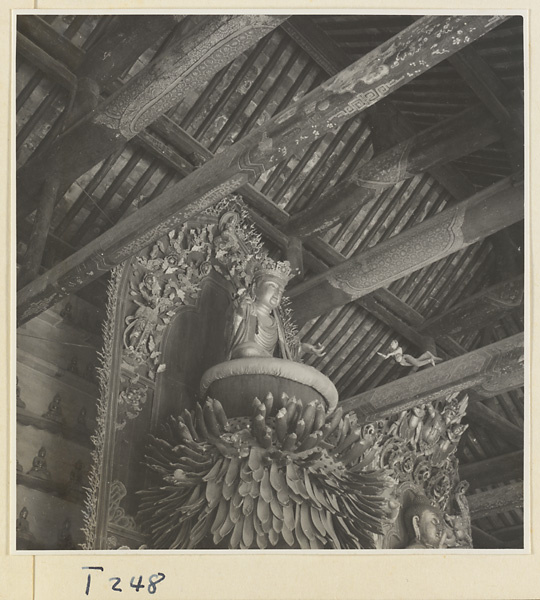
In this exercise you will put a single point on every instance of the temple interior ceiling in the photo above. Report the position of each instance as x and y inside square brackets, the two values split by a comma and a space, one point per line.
[392, 182]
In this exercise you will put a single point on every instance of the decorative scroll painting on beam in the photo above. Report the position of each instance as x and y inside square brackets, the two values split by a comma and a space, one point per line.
[451, 230]
[189, 62]
[422, 45]
[456, 137]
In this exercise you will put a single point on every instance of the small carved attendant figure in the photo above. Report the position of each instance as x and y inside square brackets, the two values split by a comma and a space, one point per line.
[228, 239]
[74, 365]
[81, 419]
[425, 525]
[411, 425]
[54, 412]
[65, 539]
[22, 527]
[39, 465]
[406, 360]
[433, 428]
[449, 442]
[74, 486]
[257, 324]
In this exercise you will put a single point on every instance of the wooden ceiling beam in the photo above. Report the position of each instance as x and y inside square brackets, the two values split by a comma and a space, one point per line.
[484, 540]
[489, 370]
[428, 41]
[188, 62]
[491, 471]
[124, 41]
[497, 500]
[447, 232]
[332, 59]
[488, 87]
[493, 422]
[471, 130]
[477, 311]
[50, 66]
[382, 304]
[50, 41]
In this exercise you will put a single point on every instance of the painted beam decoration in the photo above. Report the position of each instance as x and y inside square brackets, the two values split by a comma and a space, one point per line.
[413, 51]
[489, 371]
[283, 470]
[461, 135]
[479, 310]
[451, 230]
[190, 61]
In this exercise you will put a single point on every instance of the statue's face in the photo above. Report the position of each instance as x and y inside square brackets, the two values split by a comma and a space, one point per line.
[269, 292]
[431, 528]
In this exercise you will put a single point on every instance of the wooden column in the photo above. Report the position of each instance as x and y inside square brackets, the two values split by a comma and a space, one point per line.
[495, 470]
[188, 63]
[375, 75]
[479, 310]
[498, 500]
[469, 131]
[490, 370]
[455, 228]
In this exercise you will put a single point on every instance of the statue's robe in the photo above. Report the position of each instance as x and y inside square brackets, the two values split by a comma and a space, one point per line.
[245, 329]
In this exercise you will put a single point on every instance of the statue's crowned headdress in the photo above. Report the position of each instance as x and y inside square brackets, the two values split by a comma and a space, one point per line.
[267, 268]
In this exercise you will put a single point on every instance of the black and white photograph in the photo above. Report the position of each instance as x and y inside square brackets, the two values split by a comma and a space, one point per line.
[271, 282]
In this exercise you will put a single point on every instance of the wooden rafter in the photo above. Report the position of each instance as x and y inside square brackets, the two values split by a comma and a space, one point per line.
[332, 58]
[497, 500]
[147, 95]
[460, 135]
[449, 231]
[479, 310]
[327, 107]
[491, 471]
[488, 371]
[493, 422]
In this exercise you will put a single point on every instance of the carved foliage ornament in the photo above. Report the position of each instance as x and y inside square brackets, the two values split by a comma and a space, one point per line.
[131, 400]
[293, 480]
[117, 514]
[419, 446]
[170, 273]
